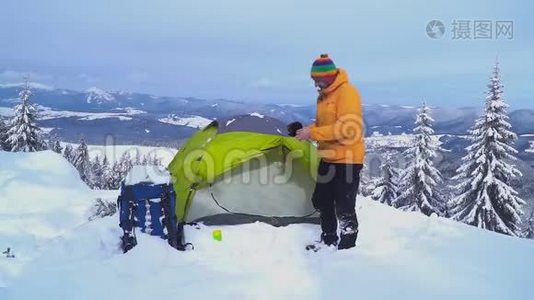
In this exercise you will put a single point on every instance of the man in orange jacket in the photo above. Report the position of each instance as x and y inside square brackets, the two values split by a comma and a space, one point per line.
[338, 130]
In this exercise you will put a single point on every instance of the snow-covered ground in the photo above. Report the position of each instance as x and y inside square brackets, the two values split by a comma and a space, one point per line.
[99, 96]
[46, 113]
[193, 121]
[6, 111]
[61, 255]
[394, 141]
[41, 198]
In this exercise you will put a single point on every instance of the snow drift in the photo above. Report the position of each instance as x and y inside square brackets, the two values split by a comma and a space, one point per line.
[41, 198]
[41, 189]
[59, 255]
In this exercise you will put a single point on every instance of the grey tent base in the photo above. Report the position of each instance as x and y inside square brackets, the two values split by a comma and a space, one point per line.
[237, 219]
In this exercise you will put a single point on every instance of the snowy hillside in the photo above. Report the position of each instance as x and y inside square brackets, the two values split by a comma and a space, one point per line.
[60, 255]
[193, 121]
[46, 113]
[98, 96]
[41, 198]
[394, 141]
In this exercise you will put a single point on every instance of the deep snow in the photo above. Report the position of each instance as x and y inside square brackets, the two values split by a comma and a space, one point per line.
[60, 255]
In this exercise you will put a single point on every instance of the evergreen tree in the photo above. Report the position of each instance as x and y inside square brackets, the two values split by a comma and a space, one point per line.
[118, 171]
[50, 143]
[24, 134]
[144, 161]
[115, 176]
[3, 136]
[97, 174]
[68, 153]
[53, 141]
[81, 161]
[529, 231]
[137, 161]
[106, 174]
[418, 188]
[102, 209]
[126, 164]
[486, 199]
[151, 160]
[386, 188]
[57, 147]
[365, 188]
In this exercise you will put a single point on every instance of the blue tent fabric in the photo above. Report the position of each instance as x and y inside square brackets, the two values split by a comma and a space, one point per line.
[143, 198]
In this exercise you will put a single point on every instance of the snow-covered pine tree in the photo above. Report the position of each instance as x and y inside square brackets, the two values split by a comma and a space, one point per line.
[57, 147]
[53, 141]
[105, 162]
[105, 173]
[24, 135]
[151, 160]
[115, 176]
[386, 188]
[486, 199]
[126, 164]
[144, 161]
[371, 184]
[118, 171]
[419, 182]
[68, 153]
[529, 230]
[137, 161]
[50, 143]
[102, 209]
[96, 174]
[365, 188]
[3, 136]
[81, 161]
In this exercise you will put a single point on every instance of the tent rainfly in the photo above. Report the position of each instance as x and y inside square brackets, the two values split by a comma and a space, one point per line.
[244, 169]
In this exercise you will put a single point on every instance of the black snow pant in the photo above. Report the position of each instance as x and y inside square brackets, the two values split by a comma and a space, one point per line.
[335, 198]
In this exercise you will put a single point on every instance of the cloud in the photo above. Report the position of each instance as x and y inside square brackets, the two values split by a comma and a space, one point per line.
[11, 76]
[262, 83]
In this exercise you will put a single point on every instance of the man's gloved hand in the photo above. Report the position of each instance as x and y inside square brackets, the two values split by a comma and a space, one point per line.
[293, 127]
[304, 134]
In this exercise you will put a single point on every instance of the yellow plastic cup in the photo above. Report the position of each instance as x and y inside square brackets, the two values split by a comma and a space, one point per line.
[217, 235]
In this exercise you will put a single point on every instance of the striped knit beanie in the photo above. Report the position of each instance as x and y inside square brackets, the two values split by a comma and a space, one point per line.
[323, 67]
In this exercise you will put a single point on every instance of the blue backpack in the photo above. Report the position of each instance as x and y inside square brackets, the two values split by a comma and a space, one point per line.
[150, 207]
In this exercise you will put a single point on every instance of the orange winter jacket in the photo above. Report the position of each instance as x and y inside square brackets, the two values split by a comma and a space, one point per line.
[338, 126]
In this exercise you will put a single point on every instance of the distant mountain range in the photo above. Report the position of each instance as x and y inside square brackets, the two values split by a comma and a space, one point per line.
[143, 119]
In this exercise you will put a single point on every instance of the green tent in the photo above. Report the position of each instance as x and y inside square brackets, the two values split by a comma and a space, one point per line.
[244, 168]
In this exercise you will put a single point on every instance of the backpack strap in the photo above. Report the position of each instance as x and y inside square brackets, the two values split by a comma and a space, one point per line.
[175, 231]
[128, 238]
[181, 244]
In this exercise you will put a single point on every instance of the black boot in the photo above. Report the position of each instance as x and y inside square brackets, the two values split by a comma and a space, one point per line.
[348, 240]
[327, 240]
[349, 231]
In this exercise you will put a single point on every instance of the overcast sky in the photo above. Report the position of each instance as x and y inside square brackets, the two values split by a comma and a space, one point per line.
[262, 50]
